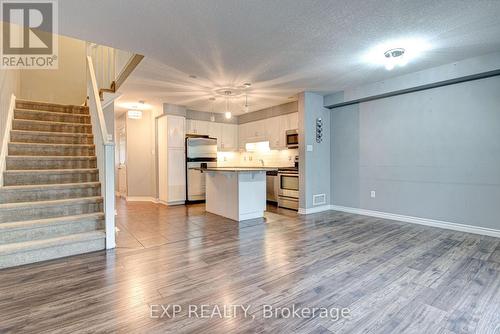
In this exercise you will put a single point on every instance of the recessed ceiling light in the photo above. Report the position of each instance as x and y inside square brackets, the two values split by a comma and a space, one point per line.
[211, 99]
[247, 84]
[192, 76]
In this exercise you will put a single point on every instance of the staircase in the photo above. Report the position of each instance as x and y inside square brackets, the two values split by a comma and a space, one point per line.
[50, 204]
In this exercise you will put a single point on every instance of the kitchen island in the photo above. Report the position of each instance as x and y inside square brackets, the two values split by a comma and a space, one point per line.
[236, 193]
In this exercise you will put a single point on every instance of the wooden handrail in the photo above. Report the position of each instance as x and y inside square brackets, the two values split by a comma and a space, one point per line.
[127, 70]
[94, 95]
[124, 74]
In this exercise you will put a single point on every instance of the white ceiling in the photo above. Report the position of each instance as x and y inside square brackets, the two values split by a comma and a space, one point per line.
[281, 46]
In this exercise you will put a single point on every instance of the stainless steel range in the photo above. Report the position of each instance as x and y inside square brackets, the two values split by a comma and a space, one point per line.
[288, 193]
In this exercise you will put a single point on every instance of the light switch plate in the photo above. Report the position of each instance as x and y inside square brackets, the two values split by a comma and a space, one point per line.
[309, 148]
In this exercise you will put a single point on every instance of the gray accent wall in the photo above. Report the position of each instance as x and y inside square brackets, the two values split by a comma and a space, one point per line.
[314, 166]
[432, 154]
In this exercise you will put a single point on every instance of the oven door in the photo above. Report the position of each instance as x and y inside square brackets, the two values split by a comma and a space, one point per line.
[289, 185]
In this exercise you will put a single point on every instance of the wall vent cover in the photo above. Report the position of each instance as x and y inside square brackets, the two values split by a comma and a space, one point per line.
[319, 199]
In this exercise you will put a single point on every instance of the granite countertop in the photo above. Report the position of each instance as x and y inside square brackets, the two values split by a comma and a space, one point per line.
[236, 169]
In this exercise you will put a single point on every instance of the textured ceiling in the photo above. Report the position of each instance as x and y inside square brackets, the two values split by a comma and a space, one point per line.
[281, 46]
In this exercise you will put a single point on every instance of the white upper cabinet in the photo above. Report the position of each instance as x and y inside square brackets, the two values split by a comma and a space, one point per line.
[229, 137]
[197, 127]
[292, 121]
[276, 132]
[215, 131]
[270, 129]
[243, 134]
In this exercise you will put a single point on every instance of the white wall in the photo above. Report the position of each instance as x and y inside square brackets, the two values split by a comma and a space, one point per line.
[67, 84]
[9, 84]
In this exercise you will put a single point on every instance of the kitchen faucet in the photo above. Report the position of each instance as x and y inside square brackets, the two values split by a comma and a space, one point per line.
[262, 162]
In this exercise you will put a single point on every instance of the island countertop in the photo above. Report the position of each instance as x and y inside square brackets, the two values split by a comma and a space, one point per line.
[236, 169]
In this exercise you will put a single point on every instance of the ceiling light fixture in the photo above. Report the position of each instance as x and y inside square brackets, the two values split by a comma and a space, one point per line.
[134, 114]
[394, 57]
[396, 52]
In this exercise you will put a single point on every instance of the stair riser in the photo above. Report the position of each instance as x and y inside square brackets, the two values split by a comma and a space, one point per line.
[49, 138]
[20, 164]
[45, 107]
[27, 179]
[51, 117]
[50, 127]
[31, 213]
[18, 259]
[50, 231]
[40, 150]
[19, 196]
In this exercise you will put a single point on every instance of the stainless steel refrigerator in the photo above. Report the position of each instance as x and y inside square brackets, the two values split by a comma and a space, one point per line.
[201, 151]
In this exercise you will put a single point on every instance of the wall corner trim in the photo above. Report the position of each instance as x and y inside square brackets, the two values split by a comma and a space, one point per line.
[421, 221]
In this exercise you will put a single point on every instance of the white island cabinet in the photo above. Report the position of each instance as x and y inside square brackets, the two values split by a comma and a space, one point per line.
[236, 193]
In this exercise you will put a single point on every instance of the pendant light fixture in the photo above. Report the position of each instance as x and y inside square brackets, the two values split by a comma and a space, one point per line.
[227, 114]
[247, 85]
[212, 116]
[246, 103]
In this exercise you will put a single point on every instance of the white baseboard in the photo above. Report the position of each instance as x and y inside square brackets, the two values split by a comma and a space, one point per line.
[421, 221]
[159, 201]
[316, 209]
[140, 199]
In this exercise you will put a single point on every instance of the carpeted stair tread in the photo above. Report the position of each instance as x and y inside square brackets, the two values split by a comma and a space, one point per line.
[19, 247]
[37, 223]
[61, 202]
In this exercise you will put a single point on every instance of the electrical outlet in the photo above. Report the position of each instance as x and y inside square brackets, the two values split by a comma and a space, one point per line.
[373, 194]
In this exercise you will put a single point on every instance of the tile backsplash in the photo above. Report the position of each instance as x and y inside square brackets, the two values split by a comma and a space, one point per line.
[272, 158]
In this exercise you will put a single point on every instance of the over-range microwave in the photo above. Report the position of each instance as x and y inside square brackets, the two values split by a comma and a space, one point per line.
[292, 138]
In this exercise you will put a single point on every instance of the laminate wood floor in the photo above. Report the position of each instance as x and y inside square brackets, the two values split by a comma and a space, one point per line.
[392, 277]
